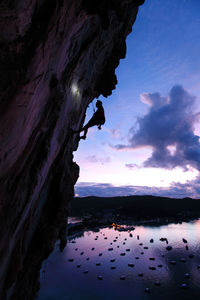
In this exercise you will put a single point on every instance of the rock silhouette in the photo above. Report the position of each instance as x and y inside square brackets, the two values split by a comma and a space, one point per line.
[51, 63]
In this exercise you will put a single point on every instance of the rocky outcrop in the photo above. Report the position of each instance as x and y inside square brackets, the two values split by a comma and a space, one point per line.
[55, 58]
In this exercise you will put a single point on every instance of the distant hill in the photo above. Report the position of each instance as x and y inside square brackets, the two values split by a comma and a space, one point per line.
[137, 206]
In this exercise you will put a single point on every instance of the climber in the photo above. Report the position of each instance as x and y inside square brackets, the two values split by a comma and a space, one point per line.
[98, 119]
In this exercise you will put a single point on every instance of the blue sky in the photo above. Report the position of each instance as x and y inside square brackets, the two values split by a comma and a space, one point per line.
[150, 141]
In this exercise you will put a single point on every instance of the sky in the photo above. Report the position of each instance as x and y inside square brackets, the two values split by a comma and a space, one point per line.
[150, 141]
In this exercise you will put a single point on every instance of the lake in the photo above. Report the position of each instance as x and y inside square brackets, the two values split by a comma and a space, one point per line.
[107, 263]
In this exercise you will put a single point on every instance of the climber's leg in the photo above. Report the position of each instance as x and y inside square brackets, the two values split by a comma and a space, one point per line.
[91, 123]
[85, 133]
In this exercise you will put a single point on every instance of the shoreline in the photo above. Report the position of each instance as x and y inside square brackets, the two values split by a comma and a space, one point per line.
[121, 225]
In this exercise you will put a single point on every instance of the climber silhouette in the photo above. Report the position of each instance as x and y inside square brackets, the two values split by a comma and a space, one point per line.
[98, 119]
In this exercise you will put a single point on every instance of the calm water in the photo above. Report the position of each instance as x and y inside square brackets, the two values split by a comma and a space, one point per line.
[73, 274]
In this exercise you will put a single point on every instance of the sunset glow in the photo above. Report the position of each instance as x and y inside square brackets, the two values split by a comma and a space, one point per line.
[151, 134]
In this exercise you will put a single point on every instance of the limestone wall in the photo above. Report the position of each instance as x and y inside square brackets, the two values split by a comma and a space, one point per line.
[55, 58]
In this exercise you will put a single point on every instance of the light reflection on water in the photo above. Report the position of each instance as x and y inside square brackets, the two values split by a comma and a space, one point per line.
[62, 279]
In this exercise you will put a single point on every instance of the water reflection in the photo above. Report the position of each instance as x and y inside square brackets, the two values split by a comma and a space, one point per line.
[112, 264]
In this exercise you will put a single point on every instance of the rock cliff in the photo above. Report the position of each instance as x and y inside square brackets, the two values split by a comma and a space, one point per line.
[55, 58]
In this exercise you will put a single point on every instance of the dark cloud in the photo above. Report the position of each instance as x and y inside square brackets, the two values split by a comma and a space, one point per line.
[191, 188]
[175, 190]
[168, 128]
[101, 190]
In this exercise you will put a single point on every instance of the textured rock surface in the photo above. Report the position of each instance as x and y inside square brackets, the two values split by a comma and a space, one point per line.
[55, 57]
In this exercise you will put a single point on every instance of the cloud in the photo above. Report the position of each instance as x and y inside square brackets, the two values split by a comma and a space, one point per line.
[95, 159]
[115, 133]
[132, 166]
[175, 190]
[168, 128]
[153, 100]
[102, 189]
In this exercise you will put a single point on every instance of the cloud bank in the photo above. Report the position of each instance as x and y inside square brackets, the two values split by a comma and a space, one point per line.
[168, 128]
[176, 190]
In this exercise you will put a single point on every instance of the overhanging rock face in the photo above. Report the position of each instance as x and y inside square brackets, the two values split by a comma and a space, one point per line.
[55, 58]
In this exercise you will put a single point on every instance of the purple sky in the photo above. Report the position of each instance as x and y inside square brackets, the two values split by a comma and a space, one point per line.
[150, 141]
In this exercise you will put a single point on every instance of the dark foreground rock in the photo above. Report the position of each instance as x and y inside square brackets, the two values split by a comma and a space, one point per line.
[55, 58]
